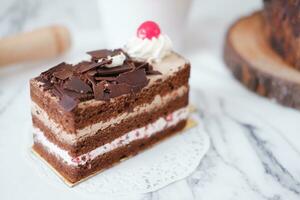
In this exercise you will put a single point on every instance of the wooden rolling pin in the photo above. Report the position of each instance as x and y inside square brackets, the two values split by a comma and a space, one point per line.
[39, 44]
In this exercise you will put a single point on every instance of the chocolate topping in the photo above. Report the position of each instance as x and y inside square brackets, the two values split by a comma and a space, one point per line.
[105, 78]
[91, 72]
[100, 91]
[77, 85]
[49, 73]
[135, 78]
[98, 54]
[114, 70]
[93, 80]
[148, 68]
[104, 53]
[64, 72]
[84, 67]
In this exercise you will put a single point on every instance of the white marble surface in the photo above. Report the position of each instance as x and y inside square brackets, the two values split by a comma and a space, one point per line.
[255, 151]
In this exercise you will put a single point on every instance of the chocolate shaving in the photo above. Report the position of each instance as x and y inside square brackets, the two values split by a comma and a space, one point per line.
[135, 78]
[47, 85]
[100, 53]
[77, 85]
[48, 74]
[105, 78]
[101, 91]
[148, 68]
[57, 90]
[92, 79]
[153, 72]
[78, 67]
[64, 72]
[98, 89]
[114, 70]
[118, 51]
[87, 67]
[105, 90]
[145, 65]
[92, 72]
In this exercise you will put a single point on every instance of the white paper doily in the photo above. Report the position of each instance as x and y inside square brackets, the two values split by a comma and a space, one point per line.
[169, 161]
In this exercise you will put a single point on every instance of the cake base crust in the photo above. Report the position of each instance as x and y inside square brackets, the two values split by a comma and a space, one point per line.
[72, 176]
[256, 65]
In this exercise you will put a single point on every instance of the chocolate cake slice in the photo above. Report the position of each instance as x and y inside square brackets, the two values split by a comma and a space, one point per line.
[283, 27]
[89, 116]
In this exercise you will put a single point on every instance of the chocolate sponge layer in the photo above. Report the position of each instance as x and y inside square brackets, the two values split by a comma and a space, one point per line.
[80, 118]
[112, 132]
[75, 174]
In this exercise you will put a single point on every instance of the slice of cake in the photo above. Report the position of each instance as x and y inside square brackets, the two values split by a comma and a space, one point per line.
[91, 115]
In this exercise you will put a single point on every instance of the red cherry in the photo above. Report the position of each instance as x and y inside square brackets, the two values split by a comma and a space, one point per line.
[148, 29]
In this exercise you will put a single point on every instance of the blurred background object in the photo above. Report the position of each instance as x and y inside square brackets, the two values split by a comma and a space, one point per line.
[121, 18]
[42, 43]
[202, 28]
[24, 15]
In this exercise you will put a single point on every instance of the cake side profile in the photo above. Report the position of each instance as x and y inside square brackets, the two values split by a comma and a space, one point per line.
[283, 30]
[91, 115]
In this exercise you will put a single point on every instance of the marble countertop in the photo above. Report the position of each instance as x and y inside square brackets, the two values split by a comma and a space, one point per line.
[255, 151]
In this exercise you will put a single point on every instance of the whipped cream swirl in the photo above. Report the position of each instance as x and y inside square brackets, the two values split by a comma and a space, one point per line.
[153, 50]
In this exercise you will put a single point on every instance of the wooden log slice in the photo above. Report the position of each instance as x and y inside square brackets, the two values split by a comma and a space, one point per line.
[255, 64]
[283, 26]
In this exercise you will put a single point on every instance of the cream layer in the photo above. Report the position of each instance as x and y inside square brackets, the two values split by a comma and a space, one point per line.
[81, 134]
[137, 134]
